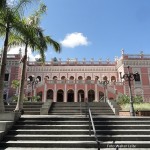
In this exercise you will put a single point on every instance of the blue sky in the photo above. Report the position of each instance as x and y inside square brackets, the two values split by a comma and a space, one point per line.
[97, 28]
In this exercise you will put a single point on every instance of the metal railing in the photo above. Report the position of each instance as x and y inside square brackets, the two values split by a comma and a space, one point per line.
[91, 122]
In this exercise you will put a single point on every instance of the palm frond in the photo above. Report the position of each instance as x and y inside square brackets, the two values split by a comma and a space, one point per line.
[53, 43]
[34, 18]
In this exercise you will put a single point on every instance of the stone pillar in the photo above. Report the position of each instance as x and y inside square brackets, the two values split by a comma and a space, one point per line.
[65, 93]
[75, 93]
[96, 93]
[45, 92]
[86, 92]
[55, 93]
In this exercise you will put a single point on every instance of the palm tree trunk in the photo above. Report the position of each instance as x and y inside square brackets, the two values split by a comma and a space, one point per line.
[3, 68]
[19, 106]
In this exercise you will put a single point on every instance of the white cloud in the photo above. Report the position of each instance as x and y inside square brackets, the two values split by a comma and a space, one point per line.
[15, 50]
[74, 39]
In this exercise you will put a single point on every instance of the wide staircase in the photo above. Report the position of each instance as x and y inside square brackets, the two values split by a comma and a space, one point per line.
[72, 130]
[30, 108]
[79, 108]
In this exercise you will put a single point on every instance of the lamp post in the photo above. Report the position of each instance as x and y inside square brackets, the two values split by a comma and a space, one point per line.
[104, 83]
[32, 81]
[130, 77]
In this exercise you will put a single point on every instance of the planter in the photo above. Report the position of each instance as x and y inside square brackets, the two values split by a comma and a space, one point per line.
[124, 113]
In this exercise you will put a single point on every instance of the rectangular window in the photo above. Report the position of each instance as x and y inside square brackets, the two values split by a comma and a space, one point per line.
[6, 77]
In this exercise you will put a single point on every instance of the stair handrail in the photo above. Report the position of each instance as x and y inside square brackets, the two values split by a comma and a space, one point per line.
[91, 122]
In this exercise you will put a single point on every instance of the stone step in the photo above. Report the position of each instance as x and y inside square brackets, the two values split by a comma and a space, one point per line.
[80, 113]
[50, 137]
[130, 146]
[98, 127]
[71, 122]
[78, 110]
[76, 132]
[78, 103]
[77, 137]
[77, 144]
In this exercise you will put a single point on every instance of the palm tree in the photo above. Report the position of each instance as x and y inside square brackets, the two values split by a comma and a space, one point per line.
[9, 18]
[32, 36]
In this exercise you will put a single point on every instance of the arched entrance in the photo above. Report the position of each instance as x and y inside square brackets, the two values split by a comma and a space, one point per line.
[70, 96]
[49, 94]
[81, 95]
[60, 96]
[91, 95]
[101, 96]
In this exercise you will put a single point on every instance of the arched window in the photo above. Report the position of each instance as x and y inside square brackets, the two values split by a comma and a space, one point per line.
[54, 77]
[88, 78]
[113, 79]
[80, 78]
[39, 78]
[96, 77]
[71, 78]
[105, 78]
[47, 77]
[63, 78]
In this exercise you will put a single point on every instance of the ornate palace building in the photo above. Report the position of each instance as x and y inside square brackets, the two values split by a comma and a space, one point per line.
[73, 80]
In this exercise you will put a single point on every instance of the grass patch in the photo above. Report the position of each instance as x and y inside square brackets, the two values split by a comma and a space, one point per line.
[140, 106]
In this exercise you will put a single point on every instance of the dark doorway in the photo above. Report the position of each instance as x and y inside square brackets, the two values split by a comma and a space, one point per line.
[60, 96]
[91, 95]
[81, 96]
[70, 96]
[49, 94]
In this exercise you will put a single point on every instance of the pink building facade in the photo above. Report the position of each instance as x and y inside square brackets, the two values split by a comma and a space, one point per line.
[74, 81]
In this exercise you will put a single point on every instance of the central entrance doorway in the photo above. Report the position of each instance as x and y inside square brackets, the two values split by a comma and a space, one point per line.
[70, 96]
[60, 96]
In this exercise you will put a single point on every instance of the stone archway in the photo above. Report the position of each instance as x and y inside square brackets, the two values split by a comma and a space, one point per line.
[91, 95]
[60, 96]
[49, 94]
[70, 96]
[81, 96]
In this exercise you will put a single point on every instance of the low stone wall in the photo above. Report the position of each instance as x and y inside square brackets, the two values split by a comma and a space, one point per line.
[124, 113]
[6, 122]
[143, 113]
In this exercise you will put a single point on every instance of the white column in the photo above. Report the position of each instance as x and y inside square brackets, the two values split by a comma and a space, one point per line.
[86, 93]
[96, 95]
[55, 93]
[75, 93]
[65, 93]
[45, 91]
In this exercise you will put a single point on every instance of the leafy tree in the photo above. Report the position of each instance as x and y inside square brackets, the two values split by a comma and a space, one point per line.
[15, 84]
[10, 16]
[31, 36]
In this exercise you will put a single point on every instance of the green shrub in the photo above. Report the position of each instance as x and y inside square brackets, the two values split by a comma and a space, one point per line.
[125, 99]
